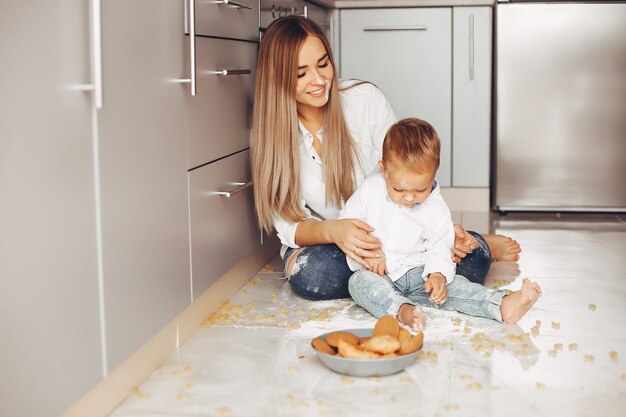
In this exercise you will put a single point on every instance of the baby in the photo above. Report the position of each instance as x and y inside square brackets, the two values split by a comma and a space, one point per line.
[404, 205]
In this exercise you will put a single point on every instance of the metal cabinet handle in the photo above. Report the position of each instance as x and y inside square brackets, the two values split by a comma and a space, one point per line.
[393, 28]
[192, 44]
[471, 47]
[240, 187]
[96, 52]
[235, 4]
[230, 72]
[192, 48]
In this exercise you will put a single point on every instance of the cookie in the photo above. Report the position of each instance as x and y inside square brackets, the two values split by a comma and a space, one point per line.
[322, 346]
[348, 350]
[363, 340]
[403, 335]
[382, 344]
[334, 337]
[387, 325]
[413, 344]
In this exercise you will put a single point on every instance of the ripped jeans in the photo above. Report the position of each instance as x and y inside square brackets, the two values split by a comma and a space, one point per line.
[321, 272]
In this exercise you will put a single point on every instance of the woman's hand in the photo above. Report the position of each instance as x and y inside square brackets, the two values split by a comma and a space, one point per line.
[464, 243]
[378, 265]
[354, 239]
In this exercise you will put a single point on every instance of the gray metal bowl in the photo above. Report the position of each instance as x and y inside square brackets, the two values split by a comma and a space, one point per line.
[364, 367]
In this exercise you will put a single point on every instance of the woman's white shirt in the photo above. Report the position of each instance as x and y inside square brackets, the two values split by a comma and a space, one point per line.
[368, 116]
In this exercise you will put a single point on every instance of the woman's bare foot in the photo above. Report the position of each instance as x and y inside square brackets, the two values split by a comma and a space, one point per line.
[516, 304]
[503, 248]
[412, 317]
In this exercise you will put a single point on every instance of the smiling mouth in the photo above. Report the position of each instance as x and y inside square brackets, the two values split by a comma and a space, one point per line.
[318, 92]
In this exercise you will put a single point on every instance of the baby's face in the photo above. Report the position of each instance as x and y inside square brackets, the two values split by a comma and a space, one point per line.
[405, 186]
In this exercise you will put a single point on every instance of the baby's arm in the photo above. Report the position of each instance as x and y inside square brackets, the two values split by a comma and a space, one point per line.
[439, 247]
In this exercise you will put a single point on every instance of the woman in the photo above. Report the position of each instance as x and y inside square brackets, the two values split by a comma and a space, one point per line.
[314, 139]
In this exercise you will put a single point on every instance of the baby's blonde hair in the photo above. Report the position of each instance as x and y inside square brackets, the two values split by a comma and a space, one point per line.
[415, 143]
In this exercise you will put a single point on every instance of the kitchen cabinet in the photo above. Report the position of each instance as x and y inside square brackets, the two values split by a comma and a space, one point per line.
[222, 214]
[219, 115]
[49, 303]
[223, 223]
[95, 249]
[407, 53]
[435, 64]
[143, 164]
[471, 96]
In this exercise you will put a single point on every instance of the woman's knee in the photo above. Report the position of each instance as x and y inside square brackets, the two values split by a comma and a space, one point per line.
[319, 273]
[476, 264]
[290, 264]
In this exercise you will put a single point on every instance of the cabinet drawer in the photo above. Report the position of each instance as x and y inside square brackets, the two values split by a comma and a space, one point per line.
[239, 19]
[220, 115]
[223, 229]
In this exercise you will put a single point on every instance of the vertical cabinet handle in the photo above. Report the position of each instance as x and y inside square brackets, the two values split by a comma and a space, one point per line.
[96, 52]
[471, 47]
[235, 4]
[240, 186]
[192, 45]
[192, 48]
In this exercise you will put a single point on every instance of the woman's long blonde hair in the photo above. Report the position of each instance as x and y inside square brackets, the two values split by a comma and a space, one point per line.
[275, 140]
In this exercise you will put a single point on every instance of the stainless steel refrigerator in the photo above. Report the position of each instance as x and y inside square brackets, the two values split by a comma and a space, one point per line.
[560, 112]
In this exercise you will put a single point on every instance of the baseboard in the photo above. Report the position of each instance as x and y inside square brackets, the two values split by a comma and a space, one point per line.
[112, 390]
[466, 199]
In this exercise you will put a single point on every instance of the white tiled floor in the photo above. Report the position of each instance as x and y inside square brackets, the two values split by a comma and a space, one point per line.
[255, 358]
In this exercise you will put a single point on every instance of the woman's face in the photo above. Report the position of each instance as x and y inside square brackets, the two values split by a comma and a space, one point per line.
[315, 74]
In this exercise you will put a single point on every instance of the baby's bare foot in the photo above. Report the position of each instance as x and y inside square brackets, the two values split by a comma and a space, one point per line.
[503, 248]
[516, 304]
[412, 317]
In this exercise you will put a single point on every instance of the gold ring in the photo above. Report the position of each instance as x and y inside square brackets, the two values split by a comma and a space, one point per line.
[355, 250]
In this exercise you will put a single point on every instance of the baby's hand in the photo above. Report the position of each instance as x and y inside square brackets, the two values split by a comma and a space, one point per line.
[436, 286]
[377, 265]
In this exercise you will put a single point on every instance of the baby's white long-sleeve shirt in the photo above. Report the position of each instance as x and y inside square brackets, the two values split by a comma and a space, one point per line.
[420, 235]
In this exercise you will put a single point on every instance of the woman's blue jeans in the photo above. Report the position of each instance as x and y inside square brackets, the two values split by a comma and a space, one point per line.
[321, 272]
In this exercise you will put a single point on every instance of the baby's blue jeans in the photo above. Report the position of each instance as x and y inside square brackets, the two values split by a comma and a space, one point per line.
[380, 295]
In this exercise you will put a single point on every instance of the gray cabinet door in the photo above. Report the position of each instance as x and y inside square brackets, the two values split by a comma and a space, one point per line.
[407, 53]
[471, 111]
[223, 227]
[145, 229]
[219, 115]
[49, 315]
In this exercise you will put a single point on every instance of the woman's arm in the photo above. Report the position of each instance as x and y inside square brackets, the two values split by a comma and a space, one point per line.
[352, 236]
